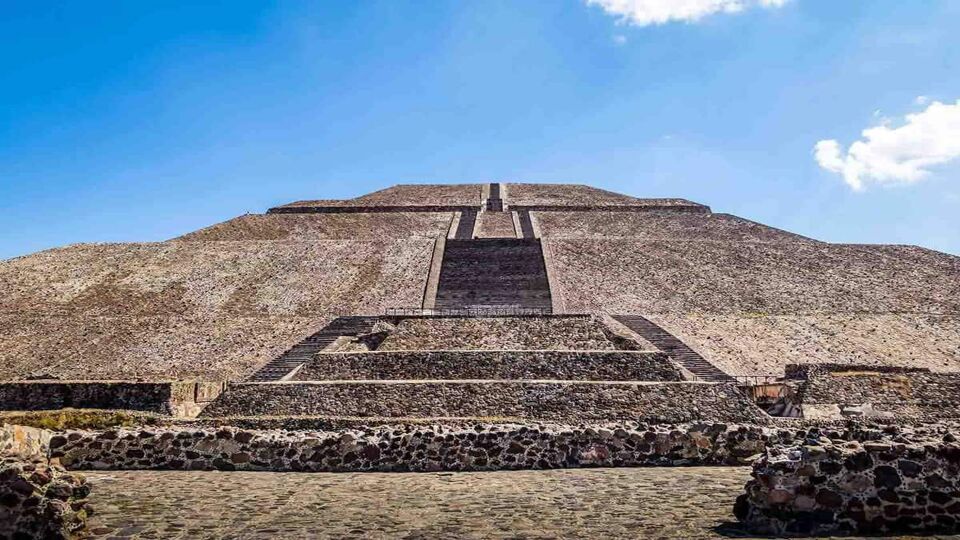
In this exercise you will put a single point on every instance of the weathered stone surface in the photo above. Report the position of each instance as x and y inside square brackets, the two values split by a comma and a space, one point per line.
[556, 401]
[880, 392]
[557, 365]
[174, 398]
[499, 333]
[859, 488]
[208, 310]
[420, 447]
[38, 500]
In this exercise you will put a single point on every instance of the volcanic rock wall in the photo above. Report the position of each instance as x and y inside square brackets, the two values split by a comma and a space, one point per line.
[482, 447]
[876, 487]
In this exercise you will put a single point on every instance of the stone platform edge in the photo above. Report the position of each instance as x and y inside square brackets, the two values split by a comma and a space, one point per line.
[176, 398]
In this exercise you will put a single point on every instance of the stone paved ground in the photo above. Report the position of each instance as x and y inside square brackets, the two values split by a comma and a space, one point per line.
[596, 503]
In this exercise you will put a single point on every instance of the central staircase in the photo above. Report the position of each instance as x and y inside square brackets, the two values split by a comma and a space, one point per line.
[678, 350]
[493, 273]
[283, 365]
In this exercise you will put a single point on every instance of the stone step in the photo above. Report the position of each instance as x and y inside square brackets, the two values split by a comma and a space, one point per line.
[493, 272]
[283, 365]
[678, 350]
[546, 400]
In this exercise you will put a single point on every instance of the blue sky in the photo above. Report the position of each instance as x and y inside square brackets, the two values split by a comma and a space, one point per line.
[139, 121]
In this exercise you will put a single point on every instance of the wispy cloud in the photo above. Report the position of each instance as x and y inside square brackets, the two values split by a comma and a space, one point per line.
[648, 12]
[896, 155]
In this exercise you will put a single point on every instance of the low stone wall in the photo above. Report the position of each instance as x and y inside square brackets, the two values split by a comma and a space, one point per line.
[895, 394]
[482, 447]
[181, 398]
[562, 365]
[40, 500]
[548, 401]
[875, 487]
[37, 499]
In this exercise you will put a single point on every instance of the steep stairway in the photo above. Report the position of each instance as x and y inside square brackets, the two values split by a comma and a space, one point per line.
[468, 220]
[493, 273]
[281, 366]
[494, 202]
[678, 350]
[526, 225]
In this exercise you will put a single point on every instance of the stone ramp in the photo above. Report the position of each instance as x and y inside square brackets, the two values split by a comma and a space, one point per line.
[286, 363]
[678, 350]
[563, 401]
[493, 272]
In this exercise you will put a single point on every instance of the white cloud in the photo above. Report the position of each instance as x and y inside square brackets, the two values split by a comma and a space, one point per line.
[620, 39]
[896, 155]
[647, 12]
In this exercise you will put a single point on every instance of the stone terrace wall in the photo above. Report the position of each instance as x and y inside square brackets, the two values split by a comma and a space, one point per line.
[503, 333]
[916, 395]
[578, 195]
[877, 487]
[184, 398]
[483, 447]
[312, 227]
[548, 401]
[562, 365]
[660, 225]
[411, 195]
[207, 310]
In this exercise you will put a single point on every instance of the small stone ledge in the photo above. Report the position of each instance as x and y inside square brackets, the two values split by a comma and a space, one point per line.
[892, 485]
[546, 401]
